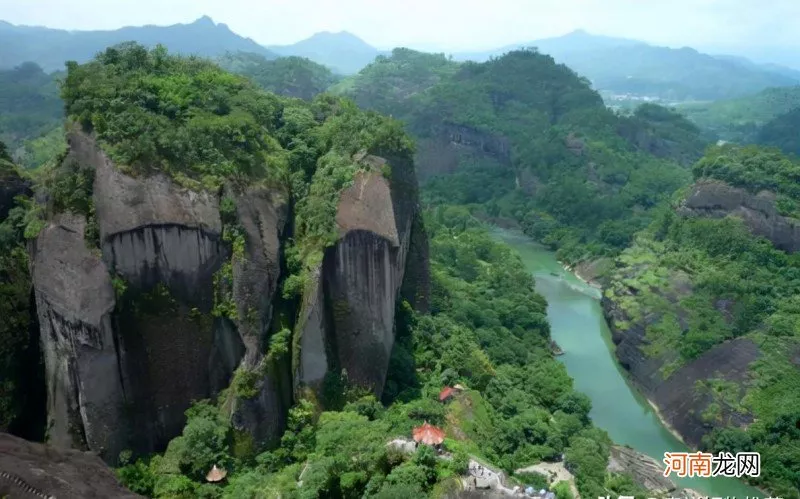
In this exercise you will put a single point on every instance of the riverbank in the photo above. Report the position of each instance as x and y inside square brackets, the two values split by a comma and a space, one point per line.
[579, 327]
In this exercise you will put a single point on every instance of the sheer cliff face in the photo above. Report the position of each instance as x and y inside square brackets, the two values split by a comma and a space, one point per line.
[127, 328]
[347, 318]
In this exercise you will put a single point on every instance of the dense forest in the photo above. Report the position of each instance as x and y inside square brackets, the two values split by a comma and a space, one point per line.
[743, 289]
[207, 128]
[740, 120]
[595, 174]
[518, 140]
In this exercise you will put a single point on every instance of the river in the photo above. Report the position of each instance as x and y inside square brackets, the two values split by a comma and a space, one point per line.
[578, 326]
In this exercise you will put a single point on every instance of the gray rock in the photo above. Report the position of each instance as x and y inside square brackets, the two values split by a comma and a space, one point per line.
[644, 470]
[74, 300]
[715, 199]
[263, 214]
[31, 470]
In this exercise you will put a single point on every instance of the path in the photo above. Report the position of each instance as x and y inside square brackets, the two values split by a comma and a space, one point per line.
[555, 472]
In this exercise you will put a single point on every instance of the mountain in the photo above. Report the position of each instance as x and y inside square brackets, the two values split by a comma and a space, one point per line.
[738, 120]
[50, 48]
[632, 69]
[289, 76]
[343, 52]
[573, 42]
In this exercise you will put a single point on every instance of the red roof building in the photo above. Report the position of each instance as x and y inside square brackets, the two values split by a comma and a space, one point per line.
[446, 393]
[428, 434]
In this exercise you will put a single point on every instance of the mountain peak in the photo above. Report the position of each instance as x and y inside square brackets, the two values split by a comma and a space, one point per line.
[204, 21]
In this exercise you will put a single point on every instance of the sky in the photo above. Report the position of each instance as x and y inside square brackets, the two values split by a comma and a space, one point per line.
[442, 24]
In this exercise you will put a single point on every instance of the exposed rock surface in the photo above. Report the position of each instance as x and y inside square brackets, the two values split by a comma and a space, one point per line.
[120, 375]
[495, 146]
[35, 471]
[263, 214]
[715, 199]
[125, 360]
[348, 311]
[151, 230]
[644, 470]
[676, 397]
[74, 301]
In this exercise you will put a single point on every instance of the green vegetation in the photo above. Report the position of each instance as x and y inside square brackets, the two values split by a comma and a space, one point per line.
[596, 175]
[182, 116]
[288, 76]
[521, 406]
[15, 289]
[709, 281]
[30, 114]
[782, 132]
[755, 169]
[738, 120]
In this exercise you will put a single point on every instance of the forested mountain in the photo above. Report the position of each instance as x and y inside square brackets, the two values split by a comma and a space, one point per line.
[783, 132]
[548, 154]
[290, 76]
[738, 120]
[704, 309]
[629, 68]
[50, 48]
[700, 304]
[31, 113]
[265, 209]
[343, 52]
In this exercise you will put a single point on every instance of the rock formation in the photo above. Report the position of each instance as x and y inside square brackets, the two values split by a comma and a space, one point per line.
[347, 317]
[715, 199]
[35, 471]
[132, 330]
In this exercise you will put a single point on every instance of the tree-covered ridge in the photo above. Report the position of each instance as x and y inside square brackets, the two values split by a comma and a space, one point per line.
[739, 119]
[572, 172]
[288, 76]
[387, 83]
[519, 406]
[696, 283]
[30, 112]
[781, 132]
[755, 169]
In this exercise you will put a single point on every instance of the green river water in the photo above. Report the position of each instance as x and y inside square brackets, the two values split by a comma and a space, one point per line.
[578, 326]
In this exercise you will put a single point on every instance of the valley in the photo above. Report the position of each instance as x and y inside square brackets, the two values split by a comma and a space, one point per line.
[270, 261]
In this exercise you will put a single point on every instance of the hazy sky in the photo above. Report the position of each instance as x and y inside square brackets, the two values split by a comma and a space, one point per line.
[444, 24]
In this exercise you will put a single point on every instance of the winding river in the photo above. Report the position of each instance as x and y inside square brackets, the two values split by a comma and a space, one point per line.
[578, 326]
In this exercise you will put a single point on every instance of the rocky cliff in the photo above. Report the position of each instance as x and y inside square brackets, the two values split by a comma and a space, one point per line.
[166, 306]
[34, 471]
[381, 256]
[649, 308]
[716, 199]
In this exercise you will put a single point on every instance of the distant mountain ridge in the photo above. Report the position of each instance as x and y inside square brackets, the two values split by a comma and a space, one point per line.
[343, 52]
[50, 48]
[635, 68]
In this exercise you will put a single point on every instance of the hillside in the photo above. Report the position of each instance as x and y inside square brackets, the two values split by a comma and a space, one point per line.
[51, 48]
[781, 132]
[549, 155]
[31, 113]
[288, 76]
[625, 69]
[703, 309]
[226, 261]
[342, 52]
[738, 120]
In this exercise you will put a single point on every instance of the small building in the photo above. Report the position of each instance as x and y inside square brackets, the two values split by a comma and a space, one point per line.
[447, 393]
[428, 435]
[216, 475]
